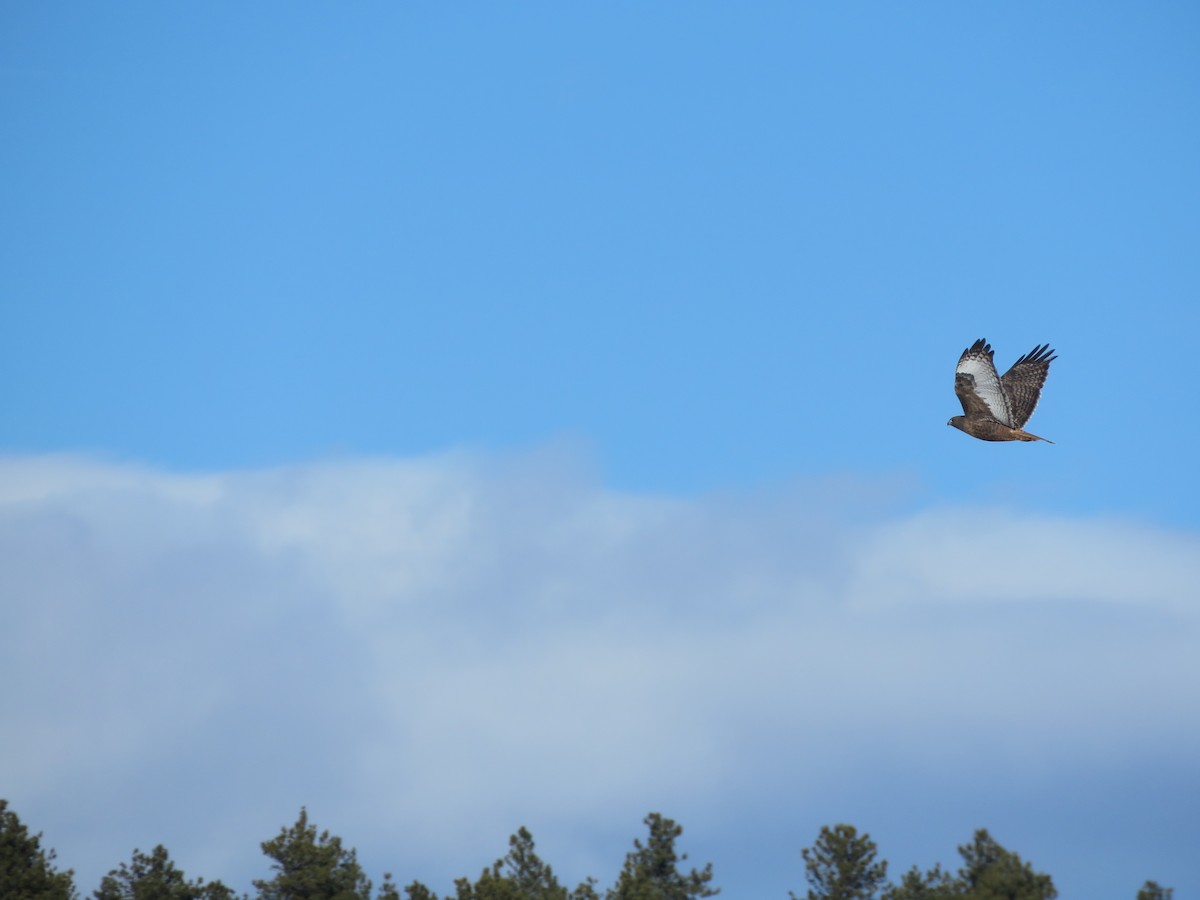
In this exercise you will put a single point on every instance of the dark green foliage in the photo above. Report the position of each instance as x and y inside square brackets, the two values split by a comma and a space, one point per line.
[533, 878]
[490, 886]
[388, 890]
[308, 867]
[917, 885]
[1151, 890]
[27, 871]
[156, 877]
[990, 872]
[841, 866]
[520, 875]
[652, 870]
[418, 891]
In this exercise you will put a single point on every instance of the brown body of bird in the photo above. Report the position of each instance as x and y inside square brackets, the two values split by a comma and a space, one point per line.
[996, 408]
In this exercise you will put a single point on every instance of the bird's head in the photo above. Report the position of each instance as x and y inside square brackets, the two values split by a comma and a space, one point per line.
[957, 422]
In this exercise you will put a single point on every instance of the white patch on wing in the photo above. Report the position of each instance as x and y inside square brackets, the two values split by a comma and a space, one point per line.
[987, 384]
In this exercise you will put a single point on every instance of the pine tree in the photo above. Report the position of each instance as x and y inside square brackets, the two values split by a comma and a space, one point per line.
[990, 872]
[520, 875]
[917, 885]
[533, 878]
[418, 891]
[156, 877]
[308, 867]
[27, 871]
[652, 872]
[841, 866]
[1151, 890]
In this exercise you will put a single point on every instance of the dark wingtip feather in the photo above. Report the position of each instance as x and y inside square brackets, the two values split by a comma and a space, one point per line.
[1039, 354]
[979, 345]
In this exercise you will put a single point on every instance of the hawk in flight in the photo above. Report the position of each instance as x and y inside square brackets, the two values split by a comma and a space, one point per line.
[996, 408]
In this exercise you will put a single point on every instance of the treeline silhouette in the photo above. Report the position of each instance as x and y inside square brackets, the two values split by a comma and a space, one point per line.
[306, 865]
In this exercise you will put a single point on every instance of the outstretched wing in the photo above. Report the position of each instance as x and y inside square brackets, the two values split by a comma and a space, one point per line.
[1023, 383]
[978, 386]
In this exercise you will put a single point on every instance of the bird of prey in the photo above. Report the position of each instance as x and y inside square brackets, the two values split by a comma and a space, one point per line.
[996, 408]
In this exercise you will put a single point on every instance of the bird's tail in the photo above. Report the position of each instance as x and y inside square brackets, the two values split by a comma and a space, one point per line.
[1026, 436]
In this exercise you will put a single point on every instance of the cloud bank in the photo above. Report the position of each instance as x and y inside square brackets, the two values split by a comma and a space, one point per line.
[432, 652]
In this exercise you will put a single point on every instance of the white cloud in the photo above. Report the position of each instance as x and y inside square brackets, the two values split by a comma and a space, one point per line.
[449, 647]
[996, 556]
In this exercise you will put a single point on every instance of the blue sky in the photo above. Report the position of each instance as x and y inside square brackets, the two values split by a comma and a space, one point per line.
[369, 366]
